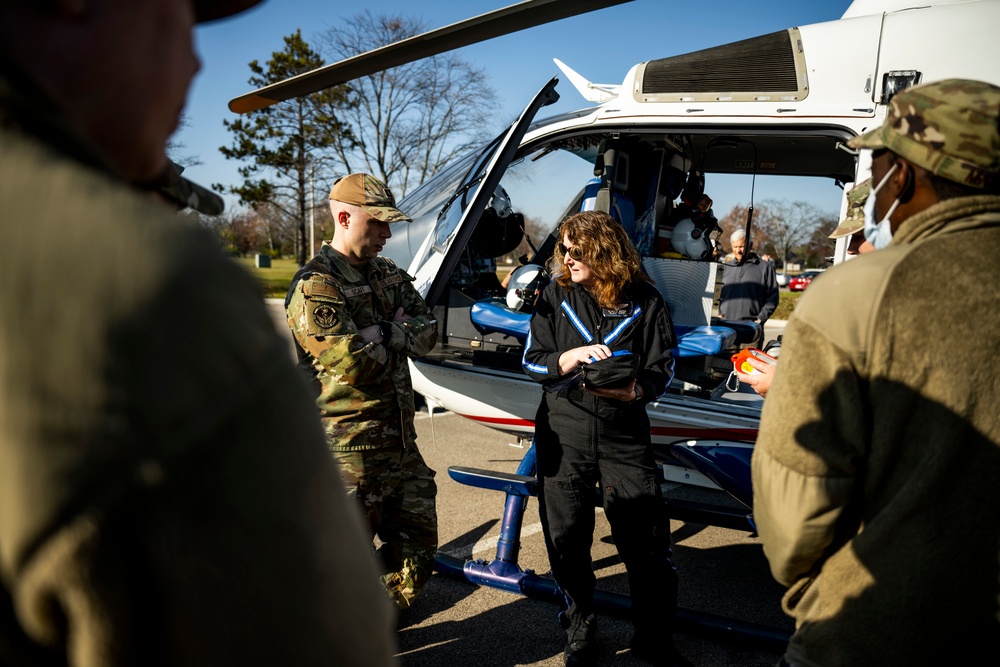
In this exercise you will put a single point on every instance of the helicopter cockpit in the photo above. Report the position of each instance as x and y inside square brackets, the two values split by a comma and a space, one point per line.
[656, 184]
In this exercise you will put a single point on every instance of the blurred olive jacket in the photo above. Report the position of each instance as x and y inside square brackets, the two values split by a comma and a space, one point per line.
[876, 472]
[166, 497]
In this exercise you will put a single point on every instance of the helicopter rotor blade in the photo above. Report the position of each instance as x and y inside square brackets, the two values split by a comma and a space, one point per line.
[526, 14]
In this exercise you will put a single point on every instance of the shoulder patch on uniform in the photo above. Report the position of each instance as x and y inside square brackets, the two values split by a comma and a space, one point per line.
[320, 287]
[324, 316]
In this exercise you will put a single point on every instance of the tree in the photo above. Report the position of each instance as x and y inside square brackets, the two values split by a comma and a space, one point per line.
[534, 233]
[245, 232]
[737, 219]
[239, 232]
[789, 224]
[410, 120]
[819, 246]
[289, 144]
[277, 230]
[175, 148]
[778, 226]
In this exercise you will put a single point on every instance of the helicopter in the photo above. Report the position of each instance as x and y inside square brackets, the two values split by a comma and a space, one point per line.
[783, 104]
[647, 151]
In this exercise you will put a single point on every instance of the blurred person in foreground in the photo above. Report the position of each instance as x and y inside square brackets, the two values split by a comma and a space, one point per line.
[356, 319]
[852, 225]
[165, 493]
[600, 302]
[876, 471]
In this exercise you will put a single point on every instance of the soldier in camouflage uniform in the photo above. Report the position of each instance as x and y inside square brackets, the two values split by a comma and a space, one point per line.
[356, 318]
[854, 223]
[876, 467]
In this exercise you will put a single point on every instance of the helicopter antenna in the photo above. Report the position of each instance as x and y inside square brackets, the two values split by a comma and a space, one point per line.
[592, 92]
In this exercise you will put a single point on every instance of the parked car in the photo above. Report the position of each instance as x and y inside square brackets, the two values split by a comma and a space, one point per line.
[782, 279]
[801, 281]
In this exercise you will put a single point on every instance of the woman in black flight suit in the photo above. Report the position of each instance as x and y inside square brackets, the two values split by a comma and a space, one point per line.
[602, 306]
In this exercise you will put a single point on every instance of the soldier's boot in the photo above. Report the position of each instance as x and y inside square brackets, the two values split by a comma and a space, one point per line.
[653, 639]
[397, 590]
[404, 585]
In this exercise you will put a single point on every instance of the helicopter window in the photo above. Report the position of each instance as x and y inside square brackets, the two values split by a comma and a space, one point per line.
[649, 172]
[433, 193]
[451, 214]
[545, 187]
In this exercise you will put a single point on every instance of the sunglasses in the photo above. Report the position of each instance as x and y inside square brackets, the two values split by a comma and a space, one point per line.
[575, 253]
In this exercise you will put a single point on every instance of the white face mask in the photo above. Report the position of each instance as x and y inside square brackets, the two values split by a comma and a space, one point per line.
[879, 234]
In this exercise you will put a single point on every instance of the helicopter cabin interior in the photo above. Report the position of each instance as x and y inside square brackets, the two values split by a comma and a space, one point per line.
[658, 185]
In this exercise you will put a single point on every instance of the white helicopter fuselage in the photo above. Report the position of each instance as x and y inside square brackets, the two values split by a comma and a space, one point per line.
[823, 84]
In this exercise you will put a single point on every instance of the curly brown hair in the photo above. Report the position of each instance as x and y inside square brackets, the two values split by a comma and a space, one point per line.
[607, 251]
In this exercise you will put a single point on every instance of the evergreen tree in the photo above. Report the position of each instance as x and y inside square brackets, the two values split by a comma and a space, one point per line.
[286, 148]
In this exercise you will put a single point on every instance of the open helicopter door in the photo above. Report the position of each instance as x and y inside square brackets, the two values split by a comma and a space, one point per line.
[439, 256]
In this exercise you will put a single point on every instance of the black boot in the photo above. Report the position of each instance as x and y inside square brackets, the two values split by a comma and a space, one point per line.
[580, 635]
[657, 650]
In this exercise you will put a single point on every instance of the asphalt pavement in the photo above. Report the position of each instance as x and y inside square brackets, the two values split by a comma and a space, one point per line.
[723, 575]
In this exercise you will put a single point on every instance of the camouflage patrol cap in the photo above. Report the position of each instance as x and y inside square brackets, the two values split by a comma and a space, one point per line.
[855, 220]
[948, 128]
[371, 194]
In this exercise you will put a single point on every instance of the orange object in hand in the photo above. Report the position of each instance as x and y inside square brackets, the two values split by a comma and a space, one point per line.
[740, 360]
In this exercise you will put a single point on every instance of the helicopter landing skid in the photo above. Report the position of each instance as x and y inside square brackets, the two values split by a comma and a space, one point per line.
[504, 573]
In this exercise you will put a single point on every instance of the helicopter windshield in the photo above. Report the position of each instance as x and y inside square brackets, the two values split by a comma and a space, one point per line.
[457, 220]
[451, 214]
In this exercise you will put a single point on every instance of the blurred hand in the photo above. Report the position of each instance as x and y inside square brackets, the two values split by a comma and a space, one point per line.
[762, 382]
[373, 334]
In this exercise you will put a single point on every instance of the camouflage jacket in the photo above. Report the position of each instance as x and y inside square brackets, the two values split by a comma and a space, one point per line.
[365, 395]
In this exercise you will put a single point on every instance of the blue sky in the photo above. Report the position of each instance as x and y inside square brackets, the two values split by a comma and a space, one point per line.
[602, 46]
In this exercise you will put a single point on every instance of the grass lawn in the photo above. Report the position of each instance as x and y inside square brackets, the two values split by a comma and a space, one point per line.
[786, 304]
[273, 281]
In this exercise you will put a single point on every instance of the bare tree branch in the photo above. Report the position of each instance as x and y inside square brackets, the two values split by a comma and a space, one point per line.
[779, 227]
[410, 120]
